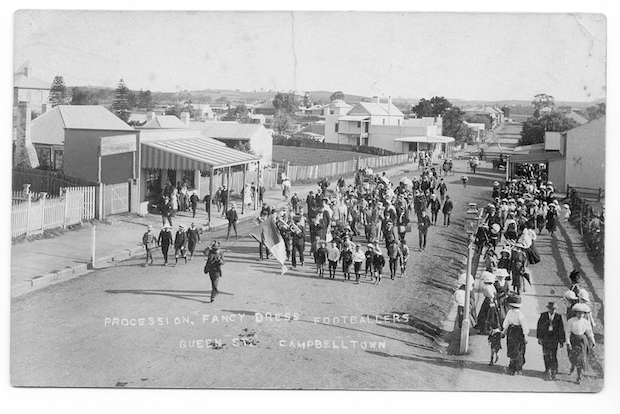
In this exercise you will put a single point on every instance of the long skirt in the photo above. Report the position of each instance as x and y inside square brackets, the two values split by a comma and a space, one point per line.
[532, 254]
[488, 317]
[540, 222]
[515, 347]
[580, 351]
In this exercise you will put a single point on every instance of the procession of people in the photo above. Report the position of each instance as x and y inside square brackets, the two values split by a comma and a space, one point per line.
[352, 232]
[508, 224]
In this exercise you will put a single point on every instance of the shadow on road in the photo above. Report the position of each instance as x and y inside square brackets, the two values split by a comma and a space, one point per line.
[177, 294]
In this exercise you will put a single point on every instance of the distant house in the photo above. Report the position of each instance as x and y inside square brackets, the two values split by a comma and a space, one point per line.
[27, 88]
[154, 121]
[496, 114]
[233, 133]
[315, 132]
[477, 130]
[67, 138]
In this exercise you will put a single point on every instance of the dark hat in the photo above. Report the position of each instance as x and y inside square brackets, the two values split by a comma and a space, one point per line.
[215, 245]
[514, 301]
[552, 305]
[575, 275]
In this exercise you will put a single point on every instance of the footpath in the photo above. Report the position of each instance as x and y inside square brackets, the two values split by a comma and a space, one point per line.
[43, 262]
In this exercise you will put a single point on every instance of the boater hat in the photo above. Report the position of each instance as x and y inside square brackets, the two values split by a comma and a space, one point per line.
[581, 307]
[488, 277]
[501, 273]
[552, 306]
[570, 295]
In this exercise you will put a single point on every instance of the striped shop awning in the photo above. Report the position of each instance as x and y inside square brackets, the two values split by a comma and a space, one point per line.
[191, 154]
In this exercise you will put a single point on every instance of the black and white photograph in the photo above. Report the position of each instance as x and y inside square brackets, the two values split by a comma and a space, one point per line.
[310, 200]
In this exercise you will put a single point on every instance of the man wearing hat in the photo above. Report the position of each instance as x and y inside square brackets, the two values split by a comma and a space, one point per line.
[550, 334]
[447, 210]
[423, 225]
[193, 238]
[213, 267]
[232, 217]
[149, 242]
[180, 244]
[165, 240]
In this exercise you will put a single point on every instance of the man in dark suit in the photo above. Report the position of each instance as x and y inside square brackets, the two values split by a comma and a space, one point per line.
[550, 334]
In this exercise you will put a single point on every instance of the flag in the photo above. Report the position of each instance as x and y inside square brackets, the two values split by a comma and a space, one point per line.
[267, 233]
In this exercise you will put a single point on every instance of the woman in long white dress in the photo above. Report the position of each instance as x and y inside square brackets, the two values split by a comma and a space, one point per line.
[247, 195]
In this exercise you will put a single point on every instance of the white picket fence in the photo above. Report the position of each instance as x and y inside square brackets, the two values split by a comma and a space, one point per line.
[32, 217]
[334, 169]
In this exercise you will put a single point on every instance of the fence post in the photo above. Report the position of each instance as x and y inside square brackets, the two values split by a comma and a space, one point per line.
[600, 194]
[64, 221]
[29, 195]
[42, 195]
[99, 199]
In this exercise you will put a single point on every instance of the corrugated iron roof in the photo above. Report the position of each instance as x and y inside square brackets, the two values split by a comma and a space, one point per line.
[354, 118]
[49, 128]
[228, 130]
[373, 108]
[165, 122]
[437, 139]
[191, 154]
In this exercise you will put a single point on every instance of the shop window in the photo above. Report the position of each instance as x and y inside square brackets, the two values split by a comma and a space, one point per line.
[187, 177]
[153, 182]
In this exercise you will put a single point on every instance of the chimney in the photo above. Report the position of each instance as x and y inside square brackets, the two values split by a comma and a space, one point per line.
[185, 118]
[375, 99]
[389, 104]
[43, 108]
[25, 153]
[150, 115]
[27, 71]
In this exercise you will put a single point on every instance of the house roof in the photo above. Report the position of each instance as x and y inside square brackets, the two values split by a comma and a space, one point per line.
[191, 154]
[228, 130]
[22, 81]
[318, 129]
[354, 118]
[535, 157]
[164, 121]
[49, 128]
[339, 103]
[374, 108]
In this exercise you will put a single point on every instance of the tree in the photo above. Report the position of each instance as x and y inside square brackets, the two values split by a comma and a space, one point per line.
[306, 100]
[506, 111]
[145, 99]
[238, 113]
[80, 97]
[337, 95]
[121, 105]
[178, 108]
[282, 121]
[542, 100]
[58, 93]
[454, 125]
[596, 111]
[534, 129]
[437, 106]
[286, 102]
[481, 119]
[244, 146]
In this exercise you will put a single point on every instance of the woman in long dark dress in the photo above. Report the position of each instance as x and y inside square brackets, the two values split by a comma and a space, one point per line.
[488, 312]
[515, 330]
[552, 217]
[579, 339]
[503, 289]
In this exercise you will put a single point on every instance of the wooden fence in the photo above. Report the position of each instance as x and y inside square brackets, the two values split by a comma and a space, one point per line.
[334, 169]
[115, 198]
[33, 217]
[269, 178]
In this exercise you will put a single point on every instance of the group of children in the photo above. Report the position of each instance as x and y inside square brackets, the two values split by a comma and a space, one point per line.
[350, 253]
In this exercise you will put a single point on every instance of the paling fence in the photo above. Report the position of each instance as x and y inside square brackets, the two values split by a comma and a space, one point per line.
[115, 198]
[34, 213]
[269, 177]
[334, 169]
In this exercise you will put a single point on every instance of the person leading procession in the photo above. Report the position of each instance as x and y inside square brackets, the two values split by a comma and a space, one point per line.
[358, 259]
[299, 240]
[193, 201]
[213, 267]
[165, 240]
[550, 333]
[180, 244]
[150, 242]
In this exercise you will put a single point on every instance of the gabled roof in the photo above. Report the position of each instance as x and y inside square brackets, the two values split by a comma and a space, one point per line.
[318, 129]
[339, 103]
[22, 81]
[49, 128]
[377, 109]
[228, 130]
[164, 121]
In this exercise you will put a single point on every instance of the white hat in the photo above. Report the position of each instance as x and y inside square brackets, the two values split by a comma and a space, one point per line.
[581, 307]
[488, 277]
[570, 295]
[501, 273]
[583, 294]
[462, 279]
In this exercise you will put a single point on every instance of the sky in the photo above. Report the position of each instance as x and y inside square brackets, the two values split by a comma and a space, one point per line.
[473, 56]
